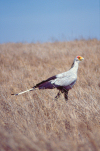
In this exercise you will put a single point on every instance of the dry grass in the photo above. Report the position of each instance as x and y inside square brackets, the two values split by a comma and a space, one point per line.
[35, 121]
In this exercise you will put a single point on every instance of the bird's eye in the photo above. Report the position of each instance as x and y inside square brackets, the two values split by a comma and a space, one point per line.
[78, 57]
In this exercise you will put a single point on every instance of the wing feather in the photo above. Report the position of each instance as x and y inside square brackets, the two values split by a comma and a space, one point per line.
[45, 83]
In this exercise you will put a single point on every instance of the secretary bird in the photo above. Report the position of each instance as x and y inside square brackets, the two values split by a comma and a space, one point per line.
[63, 81]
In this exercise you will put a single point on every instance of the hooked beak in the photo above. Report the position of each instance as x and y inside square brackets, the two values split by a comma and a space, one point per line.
[81, 58]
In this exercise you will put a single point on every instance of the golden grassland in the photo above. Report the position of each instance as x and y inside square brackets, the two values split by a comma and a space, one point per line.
[34, 121]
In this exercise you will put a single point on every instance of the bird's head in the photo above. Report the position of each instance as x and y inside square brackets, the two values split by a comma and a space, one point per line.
[79, 58]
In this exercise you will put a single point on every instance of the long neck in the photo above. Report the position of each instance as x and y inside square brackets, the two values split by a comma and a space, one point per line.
[75, 66]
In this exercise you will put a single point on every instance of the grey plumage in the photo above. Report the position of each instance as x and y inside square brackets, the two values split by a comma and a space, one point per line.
[63, 82]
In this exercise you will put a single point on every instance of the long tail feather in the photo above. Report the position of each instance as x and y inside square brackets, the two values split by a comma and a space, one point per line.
[24, 91]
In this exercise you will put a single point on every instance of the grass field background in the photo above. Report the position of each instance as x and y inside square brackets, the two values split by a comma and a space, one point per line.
[35, 121]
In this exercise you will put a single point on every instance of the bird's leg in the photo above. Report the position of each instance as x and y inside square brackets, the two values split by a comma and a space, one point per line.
[58, 95]
[66, 95]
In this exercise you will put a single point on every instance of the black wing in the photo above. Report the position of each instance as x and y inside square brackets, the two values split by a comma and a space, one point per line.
[46, 84]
